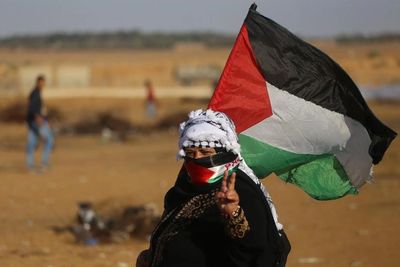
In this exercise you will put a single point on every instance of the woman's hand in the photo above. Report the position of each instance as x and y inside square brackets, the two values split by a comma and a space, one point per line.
[227, 197]
[143, 259]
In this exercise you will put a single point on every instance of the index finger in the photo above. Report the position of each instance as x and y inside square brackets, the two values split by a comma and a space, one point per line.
[224, 187]
[232, 181]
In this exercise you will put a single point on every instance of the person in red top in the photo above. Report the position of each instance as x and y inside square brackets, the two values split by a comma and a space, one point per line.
[151, 108]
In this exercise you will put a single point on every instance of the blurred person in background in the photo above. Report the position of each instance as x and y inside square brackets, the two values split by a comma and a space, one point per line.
[217, 213]
[38, 127]
[151, 102]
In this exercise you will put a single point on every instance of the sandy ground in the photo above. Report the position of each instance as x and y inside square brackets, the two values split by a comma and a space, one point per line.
[354, 231]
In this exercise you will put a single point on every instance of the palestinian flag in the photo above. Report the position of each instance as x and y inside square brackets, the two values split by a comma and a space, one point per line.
[298, 114]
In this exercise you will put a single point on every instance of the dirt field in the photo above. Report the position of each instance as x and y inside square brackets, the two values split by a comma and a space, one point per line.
[353, 231]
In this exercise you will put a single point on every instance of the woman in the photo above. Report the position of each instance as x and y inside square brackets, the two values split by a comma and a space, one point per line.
[217, 213]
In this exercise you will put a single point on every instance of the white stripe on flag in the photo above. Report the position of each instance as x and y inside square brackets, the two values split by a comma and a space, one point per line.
[302, 127]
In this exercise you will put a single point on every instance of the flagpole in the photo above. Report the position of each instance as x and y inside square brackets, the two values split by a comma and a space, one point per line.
[253, 6]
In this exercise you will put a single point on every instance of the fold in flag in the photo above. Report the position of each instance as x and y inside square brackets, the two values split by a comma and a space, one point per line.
[298, 114]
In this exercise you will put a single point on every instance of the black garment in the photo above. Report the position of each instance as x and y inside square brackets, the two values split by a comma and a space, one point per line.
[34, 108]
[203, 241]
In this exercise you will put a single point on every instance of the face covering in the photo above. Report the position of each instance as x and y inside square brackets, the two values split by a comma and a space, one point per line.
[208, 170]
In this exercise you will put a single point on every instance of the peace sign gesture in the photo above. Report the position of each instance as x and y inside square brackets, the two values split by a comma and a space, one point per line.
[227, 197]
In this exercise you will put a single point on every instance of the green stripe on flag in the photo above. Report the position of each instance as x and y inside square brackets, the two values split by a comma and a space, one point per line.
[320, 176]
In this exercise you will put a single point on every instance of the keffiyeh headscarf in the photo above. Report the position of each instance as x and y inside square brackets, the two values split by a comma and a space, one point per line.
[214, 129]
[208, 128]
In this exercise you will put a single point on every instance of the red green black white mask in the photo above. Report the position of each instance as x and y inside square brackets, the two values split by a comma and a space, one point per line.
[211, 169]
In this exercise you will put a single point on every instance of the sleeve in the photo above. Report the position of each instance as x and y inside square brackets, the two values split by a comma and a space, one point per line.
[248, 235]
[237, 227]
[35, 104]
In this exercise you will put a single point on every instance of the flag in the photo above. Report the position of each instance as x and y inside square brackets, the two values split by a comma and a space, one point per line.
[297, 112]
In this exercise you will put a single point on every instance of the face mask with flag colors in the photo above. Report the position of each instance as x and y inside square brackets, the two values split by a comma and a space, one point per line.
[208, 170]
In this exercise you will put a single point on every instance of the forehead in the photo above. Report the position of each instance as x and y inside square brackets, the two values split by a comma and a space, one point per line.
[192, 149]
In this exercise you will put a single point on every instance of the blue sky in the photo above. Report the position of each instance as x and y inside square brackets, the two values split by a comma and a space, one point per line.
[305, 17]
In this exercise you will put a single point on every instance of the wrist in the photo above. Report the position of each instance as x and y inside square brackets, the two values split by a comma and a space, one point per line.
[236, 212]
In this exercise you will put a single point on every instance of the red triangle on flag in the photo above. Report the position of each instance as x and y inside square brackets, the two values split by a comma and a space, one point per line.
[241, 92]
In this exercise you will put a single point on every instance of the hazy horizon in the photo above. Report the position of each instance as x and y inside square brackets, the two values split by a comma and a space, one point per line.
[308, 18]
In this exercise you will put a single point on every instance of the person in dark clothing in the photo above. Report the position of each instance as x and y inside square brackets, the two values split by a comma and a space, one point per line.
[216, 214]
[38, 127]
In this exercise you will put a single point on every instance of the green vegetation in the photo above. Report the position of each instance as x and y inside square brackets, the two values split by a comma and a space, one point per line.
[158, 40]
[114, 40]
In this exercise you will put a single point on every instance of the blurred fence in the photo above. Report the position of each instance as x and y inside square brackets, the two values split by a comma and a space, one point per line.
[22, 77]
